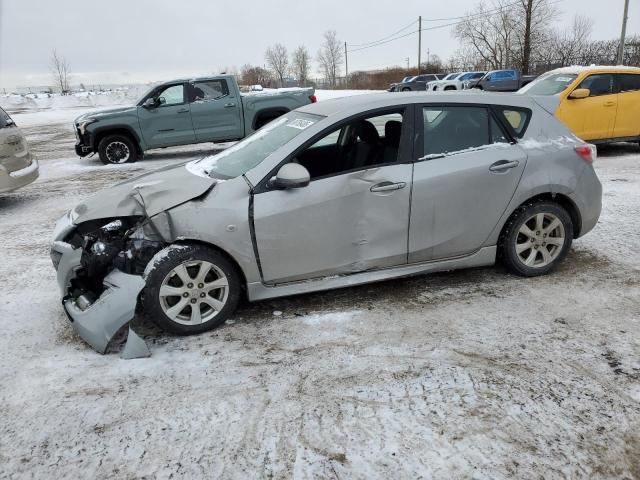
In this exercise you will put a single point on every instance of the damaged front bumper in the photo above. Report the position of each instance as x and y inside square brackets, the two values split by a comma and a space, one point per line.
[97, 321]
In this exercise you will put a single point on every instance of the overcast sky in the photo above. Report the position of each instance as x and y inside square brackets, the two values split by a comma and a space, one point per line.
[142, 40]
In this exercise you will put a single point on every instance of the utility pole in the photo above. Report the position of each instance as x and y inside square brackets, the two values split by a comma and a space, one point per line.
[419, 43]
[407, 64]
[346, 66]
[623, 33]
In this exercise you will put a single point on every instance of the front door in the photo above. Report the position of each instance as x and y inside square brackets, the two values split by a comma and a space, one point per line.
[215, 111]
[594, 117]
[354, 214]
[464, 180]
[168, 123]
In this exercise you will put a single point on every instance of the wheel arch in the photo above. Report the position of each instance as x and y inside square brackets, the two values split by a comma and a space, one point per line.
[267, 113]
[559, 198]
[103, 132]
[225, 253]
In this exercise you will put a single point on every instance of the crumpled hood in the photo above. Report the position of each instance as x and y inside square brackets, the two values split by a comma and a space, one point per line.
[106, 113]
[145, 195]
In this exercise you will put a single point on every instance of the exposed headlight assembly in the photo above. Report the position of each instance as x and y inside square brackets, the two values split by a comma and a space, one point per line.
[82, 126]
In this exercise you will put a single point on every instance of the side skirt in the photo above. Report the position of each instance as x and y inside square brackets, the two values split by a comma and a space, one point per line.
[483, 257]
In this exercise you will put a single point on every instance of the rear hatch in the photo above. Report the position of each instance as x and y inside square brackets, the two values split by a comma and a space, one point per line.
[14, 151]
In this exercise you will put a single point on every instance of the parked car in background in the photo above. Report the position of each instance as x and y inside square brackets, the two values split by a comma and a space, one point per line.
[411, 184]
[17, 166]
[418, 83]
[404, 80]
[501, 81]
[599, 104]
[181, 112]
[454, 81]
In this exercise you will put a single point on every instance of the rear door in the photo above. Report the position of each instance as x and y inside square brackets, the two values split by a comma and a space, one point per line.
[463, 180]
[594, 117]
[628, 112]
[169, 122]
[215, 111]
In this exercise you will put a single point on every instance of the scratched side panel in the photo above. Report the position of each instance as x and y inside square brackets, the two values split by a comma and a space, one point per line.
[335, 225]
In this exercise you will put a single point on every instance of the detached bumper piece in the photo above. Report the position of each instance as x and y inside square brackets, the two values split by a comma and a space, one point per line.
[98, 322]
[83, 150]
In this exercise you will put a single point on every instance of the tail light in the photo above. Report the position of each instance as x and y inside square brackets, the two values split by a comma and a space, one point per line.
[588, 152]
[313, 99]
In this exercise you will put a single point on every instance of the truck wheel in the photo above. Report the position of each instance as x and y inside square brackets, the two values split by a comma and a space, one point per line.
[117, 149]
[536, 238]
[190, 289]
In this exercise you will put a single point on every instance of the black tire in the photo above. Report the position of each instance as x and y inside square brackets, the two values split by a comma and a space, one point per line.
[162, 267]
[406, 89]
[511, 236]
[119, 143]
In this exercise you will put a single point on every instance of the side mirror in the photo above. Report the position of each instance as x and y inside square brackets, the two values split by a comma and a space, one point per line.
[291, 175]
[149, 103]
[162, 100]
[580, 93]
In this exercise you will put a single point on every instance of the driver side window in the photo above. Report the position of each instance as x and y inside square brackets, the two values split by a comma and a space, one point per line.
[173, 95]
[362, 143]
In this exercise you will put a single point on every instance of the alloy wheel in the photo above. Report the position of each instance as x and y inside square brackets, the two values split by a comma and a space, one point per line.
[540, 240]
[118, 152]
[194, 292]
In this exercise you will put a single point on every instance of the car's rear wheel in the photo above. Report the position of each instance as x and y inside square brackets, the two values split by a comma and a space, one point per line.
[536, 238]
[190, 289]
[117, 149]
[406, 89]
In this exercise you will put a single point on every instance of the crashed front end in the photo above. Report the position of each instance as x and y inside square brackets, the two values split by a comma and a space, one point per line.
[100, 266]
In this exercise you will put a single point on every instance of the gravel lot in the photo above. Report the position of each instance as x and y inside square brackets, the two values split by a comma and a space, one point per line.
[469, 374]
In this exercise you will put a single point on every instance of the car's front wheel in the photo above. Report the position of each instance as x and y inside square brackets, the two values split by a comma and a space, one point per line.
[536, 238]
[190, 289]
[117, 149]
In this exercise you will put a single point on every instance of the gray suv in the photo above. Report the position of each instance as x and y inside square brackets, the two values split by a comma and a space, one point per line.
[340, 193]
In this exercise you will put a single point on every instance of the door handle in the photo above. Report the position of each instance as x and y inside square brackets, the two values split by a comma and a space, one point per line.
[503, 165]
[229, 105]
[609, 104]
[388, 187]
[183, 110]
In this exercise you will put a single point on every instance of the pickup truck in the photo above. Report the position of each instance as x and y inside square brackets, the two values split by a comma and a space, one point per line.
[418, 83]
[501, 81]
[182, 112]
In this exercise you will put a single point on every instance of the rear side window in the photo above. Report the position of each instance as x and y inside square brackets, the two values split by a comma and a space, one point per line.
[451, 129]
[516, 118]
[629, 82]
[208, 90]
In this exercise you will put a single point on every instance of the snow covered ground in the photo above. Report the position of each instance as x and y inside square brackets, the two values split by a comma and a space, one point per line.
[469, 374]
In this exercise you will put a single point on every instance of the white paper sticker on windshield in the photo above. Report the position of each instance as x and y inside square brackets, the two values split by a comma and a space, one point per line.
[300, 124]
[563, 79]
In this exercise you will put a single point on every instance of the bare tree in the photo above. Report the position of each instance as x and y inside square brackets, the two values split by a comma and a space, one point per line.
[251, 75]
[277, 58]
[490, 32]
[301, 64]
[570, 45]
[330, 57]
[60, 72]
[534, 18]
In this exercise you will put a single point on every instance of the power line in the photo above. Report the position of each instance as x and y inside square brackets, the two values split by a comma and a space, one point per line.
[384, 38]
[471, 15]
[436, 27]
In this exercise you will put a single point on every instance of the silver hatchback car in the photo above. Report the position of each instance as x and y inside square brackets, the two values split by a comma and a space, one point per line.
[334, 194]
[17, 166]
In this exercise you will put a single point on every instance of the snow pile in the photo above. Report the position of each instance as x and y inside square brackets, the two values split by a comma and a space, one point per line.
[88, 99]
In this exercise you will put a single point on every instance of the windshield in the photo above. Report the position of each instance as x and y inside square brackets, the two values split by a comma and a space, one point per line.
[471, 76]
[549, 84]
[451, 76]
[251, 151]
